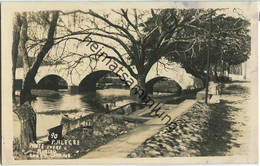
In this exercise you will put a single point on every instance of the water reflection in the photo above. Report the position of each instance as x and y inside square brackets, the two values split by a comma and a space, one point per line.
[82, 101]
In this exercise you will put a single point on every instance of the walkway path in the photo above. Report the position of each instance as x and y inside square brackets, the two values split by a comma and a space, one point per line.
[123, 145]
[232, 126]
[244, 127]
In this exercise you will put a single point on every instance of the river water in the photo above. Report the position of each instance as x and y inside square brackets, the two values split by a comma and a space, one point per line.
[48, 108]
[66, 101]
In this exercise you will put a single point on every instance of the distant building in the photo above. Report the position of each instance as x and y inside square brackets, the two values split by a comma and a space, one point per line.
[238, 72]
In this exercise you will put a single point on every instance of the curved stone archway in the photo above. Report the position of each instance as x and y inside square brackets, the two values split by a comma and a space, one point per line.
[89, 83]
[177, 73]
[52, 82]
[163, 84]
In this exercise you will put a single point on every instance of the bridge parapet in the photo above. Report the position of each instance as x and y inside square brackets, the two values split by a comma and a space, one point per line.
[74, 77]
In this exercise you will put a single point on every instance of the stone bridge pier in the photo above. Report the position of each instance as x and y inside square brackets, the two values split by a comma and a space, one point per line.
[85, 79]
[73, 89]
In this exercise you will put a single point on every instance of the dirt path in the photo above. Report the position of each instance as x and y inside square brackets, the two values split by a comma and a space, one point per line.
[228, 130]
[240, 127]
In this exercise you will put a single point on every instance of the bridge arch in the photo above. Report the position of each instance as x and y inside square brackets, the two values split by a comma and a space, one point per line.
[167, 85]
[89, 83]
[73, 78]
[52, 82]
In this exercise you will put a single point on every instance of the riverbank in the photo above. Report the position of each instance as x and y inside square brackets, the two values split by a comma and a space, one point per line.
[205, 130]
[82, 140]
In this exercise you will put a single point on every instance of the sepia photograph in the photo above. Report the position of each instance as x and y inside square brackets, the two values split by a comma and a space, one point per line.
[129, 82]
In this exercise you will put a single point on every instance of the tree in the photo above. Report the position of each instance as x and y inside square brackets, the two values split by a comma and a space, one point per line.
[236, 45]
[228, 43]
[25, 112]
[142, 37]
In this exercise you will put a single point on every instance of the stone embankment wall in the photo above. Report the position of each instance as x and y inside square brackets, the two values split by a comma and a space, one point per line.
[98, 123]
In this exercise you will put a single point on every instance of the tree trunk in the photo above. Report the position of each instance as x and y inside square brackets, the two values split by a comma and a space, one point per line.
[223, 68]
[27, 118]
[15, 44]
[25, 94]
[140, 92]
[228, 69]
[141, 81]
[22, 45]
[216, 72]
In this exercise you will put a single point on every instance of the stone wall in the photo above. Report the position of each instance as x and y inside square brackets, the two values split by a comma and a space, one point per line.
[97, 123]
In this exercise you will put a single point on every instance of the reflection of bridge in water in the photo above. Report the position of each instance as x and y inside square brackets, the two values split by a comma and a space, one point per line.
[84, 79]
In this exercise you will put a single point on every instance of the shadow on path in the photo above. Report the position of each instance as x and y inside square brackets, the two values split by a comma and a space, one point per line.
[219, 136]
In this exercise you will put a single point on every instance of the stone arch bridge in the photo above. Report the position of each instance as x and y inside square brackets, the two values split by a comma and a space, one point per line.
[83, 78]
